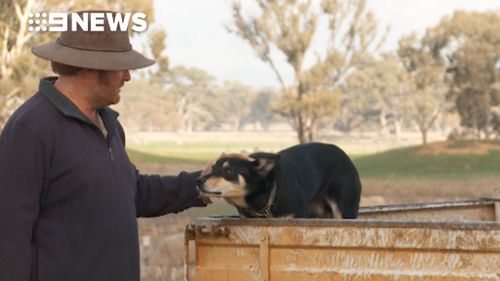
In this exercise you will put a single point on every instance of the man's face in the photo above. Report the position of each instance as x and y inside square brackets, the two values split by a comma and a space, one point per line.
[108, 86]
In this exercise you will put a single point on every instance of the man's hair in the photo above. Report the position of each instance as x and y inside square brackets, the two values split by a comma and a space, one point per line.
[68, 70]
[64, 69]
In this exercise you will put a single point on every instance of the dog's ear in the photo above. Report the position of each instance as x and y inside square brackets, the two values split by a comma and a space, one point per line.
[264, 162]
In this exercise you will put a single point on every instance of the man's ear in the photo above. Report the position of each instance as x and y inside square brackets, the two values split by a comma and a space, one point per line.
[264, 162]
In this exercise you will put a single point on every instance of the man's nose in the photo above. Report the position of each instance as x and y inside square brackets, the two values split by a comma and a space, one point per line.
[126, 75]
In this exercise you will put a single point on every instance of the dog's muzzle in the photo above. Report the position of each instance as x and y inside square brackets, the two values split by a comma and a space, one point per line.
[200, 182]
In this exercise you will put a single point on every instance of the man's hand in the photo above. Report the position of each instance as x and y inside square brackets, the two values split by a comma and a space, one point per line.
[206, 171]
[205, 199]
[208, 168]
[241, 155]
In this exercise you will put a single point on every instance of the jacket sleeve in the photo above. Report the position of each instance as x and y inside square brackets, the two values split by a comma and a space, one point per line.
[22, 170]
[159, 195]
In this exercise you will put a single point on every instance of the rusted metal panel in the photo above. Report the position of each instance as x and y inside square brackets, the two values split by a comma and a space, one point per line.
[346, 250]
[354, 233]
[437, 241]
[497, 210]
[264, 257]
[471, 210]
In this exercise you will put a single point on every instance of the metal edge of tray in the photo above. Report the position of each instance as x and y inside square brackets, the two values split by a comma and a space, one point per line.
[236, 221]
[427, 206]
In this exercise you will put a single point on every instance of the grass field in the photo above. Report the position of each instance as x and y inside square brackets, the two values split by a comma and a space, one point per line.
[440, 160]
[454, 160]
[171, 148]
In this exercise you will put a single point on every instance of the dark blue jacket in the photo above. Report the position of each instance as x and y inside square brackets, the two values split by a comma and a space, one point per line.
[69, 197]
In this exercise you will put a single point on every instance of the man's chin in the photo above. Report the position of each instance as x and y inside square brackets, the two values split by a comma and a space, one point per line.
[116, 99]
[111, 102]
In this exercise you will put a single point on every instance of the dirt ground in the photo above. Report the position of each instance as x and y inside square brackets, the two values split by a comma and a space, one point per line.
[447, 148]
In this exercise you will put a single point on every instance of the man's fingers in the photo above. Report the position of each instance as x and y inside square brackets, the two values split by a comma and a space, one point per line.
[206, 199]
[210, 165]
[208, 168]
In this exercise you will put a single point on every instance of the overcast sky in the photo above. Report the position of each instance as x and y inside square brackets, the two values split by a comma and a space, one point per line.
[196, 36]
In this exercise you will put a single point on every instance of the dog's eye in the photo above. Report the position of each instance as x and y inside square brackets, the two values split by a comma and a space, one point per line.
[228, 170]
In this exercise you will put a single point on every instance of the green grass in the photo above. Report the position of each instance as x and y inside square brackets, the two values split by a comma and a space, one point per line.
[405, 163]
[197, 152]
[141, 157]
[468, 143]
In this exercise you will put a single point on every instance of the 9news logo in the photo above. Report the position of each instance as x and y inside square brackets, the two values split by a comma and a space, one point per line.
[87, 21]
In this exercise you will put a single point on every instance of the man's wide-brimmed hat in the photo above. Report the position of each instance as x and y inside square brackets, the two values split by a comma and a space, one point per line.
[100, 50]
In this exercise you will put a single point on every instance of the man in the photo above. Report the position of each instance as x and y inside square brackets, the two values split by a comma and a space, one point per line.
[69, 195]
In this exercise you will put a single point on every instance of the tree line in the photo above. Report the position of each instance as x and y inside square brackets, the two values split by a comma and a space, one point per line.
[452, 68]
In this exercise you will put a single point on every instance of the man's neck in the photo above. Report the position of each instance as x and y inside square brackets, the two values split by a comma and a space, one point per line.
[77, 92]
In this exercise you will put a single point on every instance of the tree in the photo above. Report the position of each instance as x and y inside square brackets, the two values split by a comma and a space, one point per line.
[315, 107]
[289, 27]
[193, 91]
[261, 111]
[427, 78]
[236, 101]
[474, 106]
[361, 98]
[146, 106]
[17, 67]
[379, 86]
[20, 71]
[14, 33]
[157, 44]
[398, 90]
[469, 44]
[426, 105]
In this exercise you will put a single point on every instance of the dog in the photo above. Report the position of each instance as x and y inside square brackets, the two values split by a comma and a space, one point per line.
[314, 180]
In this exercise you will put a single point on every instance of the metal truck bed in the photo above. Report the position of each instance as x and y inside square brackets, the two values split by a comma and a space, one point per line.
[436, 241]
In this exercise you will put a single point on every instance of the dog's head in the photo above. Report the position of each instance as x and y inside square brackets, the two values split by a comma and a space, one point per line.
[233, 176]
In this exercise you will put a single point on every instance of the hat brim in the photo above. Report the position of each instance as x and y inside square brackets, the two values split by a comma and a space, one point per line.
[99, 60]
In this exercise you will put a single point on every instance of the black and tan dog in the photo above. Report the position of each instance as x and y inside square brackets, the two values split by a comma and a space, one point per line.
[312, 180]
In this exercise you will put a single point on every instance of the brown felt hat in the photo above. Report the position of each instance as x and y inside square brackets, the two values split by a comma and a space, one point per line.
[101, 50]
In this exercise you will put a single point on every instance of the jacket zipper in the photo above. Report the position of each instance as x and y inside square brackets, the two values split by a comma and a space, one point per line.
[111, 153]
[107, 141]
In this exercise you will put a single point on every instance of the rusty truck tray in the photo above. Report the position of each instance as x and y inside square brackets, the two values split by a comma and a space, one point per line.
[378, 246]
[484, 209]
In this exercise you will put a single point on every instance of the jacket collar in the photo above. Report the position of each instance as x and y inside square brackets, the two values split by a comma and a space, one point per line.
[68, 108]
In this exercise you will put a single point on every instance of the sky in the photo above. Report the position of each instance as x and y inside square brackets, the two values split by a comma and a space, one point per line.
[197, 37]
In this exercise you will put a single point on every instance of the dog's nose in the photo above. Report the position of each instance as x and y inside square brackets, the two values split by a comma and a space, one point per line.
[199, 181]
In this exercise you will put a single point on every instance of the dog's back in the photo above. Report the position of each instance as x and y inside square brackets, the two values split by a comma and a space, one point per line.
[306, 180]
[315, 179]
